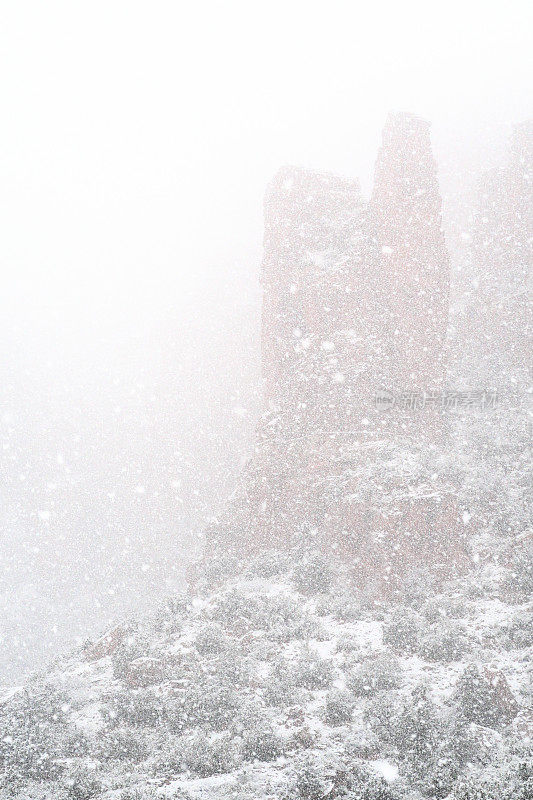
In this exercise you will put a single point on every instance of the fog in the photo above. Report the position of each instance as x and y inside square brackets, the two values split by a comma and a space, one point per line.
[136, 143]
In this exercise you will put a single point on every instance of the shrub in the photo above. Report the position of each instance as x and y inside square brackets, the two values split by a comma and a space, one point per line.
[379, 714]
[361, 742]
[211, 639]
[307, 781]
[176, 604]
[346, 609]
[280, 687]
[123, 745]
[261, 743]
[377, 674]
[446, 608]
[77, 744]
[338, 708]
[231, 668]
[284, 620]
[312, 672]
[416, 586]
[431, 741]
[519, 631]
[521, 571]
[416, 730]
[138, 709]
[205, 756]
[208, 703]
[82, 784]
[484, 700]
[146, 793]
[314, 781]
[438, 780]
[511, 778]
[237, 612]
[312, 575]
[215, 572]
[403, 631]
[126, 652]
[167, 761]
[444, 643]
[270, 564]
[33, 726]
[347, 643]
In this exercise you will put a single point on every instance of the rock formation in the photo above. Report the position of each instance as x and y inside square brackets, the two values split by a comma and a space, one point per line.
[355, 310]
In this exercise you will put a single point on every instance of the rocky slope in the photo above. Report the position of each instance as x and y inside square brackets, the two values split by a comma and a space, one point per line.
[279, 680]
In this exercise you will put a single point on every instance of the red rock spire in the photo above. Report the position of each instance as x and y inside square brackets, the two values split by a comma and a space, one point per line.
[407, 208]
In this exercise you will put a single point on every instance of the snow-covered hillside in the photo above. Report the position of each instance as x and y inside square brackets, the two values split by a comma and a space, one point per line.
[279, 681]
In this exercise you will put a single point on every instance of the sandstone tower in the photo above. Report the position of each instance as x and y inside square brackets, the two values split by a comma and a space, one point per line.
[355, 304]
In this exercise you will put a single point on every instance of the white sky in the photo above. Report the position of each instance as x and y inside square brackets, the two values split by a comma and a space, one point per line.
[136, 141]
[137, 137]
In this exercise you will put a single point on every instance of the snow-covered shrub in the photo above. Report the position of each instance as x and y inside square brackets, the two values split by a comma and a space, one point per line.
[177, 604]
[285, 620]
[167, 761]
[483, 699]
[208, 703]
[82, 784]
[411, 725]
[138, 709]
[307, 781]
[302, 739]
[430, 740]
[270, 564]
[511, 778]
[313, 780]
[380, 714]
[312, 574]
[280, 688]
[355, 783]
[76, 743]
[260, 742]
[361, 742]
[147, 793]
[519, 631]
[126, 652]
[403, 631]
[348, 643]
[32, 731]
[122, 744]
[437, 780]
[217, 570]
[211, 639]
[280, 616]
[231, 668]
[416, 587]
[338, 707]
[207, 755]
[237, 612]
[520, 576]
[375, 674]
[310, 671]
[444, 643]
[170, 614]
[345, 608]
[444, 608]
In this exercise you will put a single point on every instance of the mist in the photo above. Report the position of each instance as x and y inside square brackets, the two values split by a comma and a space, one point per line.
[136, 144]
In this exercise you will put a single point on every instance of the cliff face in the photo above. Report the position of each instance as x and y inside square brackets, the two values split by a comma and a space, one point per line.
[406, 205]
[500, 327]
[355, 294]
[355, 307]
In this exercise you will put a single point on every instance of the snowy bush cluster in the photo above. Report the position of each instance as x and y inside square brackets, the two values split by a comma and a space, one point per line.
[270, 687]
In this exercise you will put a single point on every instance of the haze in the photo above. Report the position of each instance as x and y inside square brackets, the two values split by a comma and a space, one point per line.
[136, 143]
